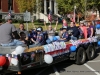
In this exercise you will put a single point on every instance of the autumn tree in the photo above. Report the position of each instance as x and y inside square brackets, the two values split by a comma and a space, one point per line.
[24, 5]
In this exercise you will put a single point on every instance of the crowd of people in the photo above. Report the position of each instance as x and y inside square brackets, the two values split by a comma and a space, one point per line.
[12, 36]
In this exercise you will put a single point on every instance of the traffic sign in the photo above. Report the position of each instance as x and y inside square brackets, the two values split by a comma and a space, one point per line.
[27, 16]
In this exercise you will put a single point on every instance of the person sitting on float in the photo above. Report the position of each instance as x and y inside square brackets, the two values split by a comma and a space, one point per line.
[50, 32]
[39, 39]
[90, 29]
[83, 30]
[73, 31]
[65, 36]
[7, 31]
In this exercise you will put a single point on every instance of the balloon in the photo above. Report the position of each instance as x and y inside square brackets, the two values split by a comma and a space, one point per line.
[48, 59]
[55, 39]
[98, 26]
[14, 52]
[99, 43]
[73, 48]
[14, 61]
[2, 60]
[19, 50]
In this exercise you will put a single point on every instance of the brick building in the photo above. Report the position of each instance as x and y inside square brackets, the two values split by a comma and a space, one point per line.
[6, 5]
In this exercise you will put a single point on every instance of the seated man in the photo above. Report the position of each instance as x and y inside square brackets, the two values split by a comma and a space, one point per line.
[73, 31]
[65, 36]
[6, 31]
[22, 29]
[39, 40]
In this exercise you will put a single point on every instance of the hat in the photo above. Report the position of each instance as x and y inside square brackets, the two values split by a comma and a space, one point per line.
[64, 27]
[8, 18]
[82, 22]
[39, 30]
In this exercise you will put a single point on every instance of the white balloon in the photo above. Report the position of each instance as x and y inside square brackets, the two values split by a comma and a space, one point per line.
[48, 59]
[14, 52]
[19, 50]
[14, 61]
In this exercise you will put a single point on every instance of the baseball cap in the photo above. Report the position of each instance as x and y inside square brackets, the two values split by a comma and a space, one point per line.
[64, 27]
[39, 30]
[8, 18]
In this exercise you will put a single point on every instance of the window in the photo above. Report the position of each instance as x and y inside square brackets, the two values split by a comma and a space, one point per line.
[10, 4]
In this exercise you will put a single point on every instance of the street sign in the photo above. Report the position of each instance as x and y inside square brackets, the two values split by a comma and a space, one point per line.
[27, 16]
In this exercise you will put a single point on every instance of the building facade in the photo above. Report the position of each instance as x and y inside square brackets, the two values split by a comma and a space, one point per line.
[46, 5]
[6, 5]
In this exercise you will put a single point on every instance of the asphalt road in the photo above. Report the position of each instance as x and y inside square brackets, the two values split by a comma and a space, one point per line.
[69, 68]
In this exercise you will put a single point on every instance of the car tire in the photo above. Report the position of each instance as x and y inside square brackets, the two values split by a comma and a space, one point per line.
[90, 52]
[80, 56]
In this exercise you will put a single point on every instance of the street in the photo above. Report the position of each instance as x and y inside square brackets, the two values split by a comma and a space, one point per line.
[69, 68]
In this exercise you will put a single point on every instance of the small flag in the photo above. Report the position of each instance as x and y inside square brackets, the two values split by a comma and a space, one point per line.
[50, 16]
[9, 14]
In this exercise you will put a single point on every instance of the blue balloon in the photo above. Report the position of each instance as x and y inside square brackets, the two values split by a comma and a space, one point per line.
[98, 26]
[55, 39]
[99, 43]
[73, 48]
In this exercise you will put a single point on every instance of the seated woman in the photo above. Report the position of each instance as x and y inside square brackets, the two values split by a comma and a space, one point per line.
[90, 30]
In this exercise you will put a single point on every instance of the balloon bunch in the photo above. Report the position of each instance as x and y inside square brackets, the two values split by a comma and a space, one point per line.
[18, 50]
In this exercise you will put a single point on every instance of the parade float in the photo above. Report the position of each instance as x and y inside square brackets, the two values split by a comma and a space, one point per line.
[22, 58]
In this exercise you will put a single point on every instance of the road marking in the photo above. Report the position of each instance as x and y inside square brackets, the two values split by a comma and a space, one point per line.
[97, 73]
[95, 61]
[41, 71]
[56, 72]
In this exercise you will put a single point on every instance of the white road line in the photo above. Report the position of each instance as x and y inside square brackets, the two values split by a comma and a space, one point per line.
[55, 70]
[41, 71]
[94, 61]
[97, 73]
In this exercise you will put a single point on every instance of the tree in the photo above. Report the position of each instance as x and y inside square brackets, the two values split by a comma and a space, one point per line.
[24, 5]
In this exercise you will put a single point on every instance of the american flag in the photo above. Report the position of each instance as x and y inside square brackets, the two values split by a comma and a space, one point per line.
[50, 16]
[9, 14]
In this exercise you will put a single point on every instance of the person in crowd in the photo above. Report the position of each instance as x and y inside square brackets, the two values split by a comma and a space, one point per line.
[39, 40]
[22, 29]
[73, 31]
[83, 30]
[9, 34]
[90, 29]
[65, 36]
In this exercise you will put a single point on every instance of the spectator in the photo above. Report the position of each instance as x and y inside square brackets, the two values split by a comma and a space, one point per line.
[6, 30]
[73, 31]
[83, 30]
[22, 29]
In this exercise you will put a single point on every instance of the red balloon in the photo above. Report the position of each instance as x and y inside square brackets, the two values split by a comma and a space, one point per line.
[2, 60]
